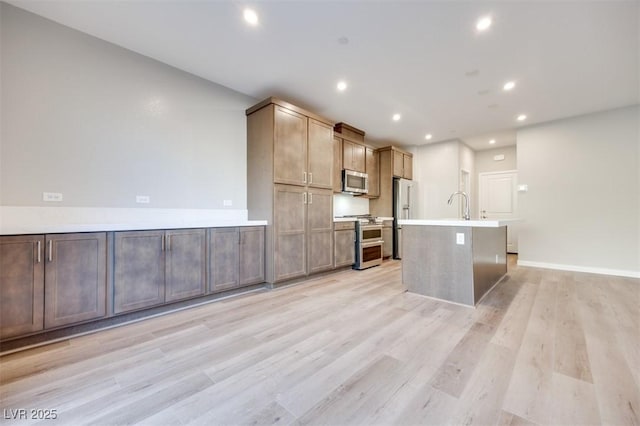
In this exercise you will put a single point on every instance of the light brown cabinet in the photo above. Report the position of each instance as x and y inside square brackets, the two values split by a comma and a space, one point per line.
[337, 164]
[299, 237]
[373, 173]
[154, 267]
[236, 257]
[75, 278]
[344, 244]
[402, 165]
[47, 281]
[387, 237]
[353, 156]
[21, 285]
[393, 162]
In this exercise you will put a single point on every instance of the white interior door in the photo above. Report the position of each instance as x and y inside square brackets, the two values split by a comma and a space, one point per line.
[498, 194]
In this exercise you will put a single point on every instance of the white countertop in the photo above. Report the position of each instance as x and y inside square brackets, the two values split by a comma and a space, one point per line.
[344, 219]
[474, 223]
[53, 220]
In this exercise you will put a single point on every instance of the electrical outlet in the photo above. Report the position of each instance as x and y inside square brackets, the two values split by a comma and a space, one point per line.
[227, 203]
[143, 199]
[460, 238]
[52, 196]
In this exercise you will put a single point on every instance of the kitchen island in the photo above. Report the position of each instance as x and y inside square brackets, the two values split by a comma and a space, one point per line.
[459, 261]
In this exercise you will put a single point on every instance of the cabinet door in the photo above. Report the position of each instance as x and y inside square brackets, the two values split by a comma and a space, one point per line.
[337, 164]
[372, 168]
[139, 270]
[398, 164]
[289, 227]
[185, 264]
[21, 285]
[251, 255]
[408, 166]
[387, 237]
[289, 147]
[320, 213]
[344, 247]
[353, 156]
[75, 278]
[224, 259]
[320, 170]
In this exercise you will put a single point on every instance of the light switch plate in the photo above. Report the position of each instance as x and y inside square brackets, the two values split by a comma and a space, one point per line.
[523, 188]
[460, 238]
[227, 203]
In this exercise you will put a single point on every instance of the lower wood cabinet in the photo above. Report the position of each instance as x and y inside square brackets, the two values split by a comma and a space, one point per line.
[236, 257]
[48, 281]
[75, 278]
[154, 267]
[344, 244]
[21, 285]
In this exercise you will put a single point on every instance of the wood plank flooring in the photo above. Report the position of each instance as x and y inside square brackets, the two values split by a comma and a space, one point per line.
[352, 348]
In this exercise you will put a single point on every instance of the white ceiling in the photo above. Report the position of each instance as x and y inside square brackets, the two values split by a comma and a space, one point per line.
[409, 57]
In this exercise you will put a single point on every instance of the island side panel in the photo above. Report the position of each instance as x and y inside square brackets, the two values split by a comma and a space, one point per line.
[434, 265]
[489, 259]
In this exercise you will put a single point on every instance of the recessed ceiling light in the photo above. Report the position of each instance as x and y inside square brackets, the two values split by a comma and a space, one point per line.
[509, 85]
[250, 16]
[396, 117]
[428, 136]
[492, 141]
[483, 23]
[522, 117]
[342, 86]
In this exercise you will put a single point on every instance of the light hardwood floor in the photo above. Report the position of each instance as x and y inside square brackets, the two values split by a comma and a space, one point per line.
[544, 347]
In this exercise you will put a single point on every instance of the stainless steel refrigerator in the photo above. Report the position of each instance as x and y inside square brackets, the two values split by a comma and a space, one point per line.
[404, 202]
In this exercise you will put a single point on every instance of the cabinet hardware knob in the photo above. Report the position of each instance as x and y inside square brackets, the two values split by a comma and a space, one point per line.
[310, 177]
[311, 198]
[304, 177]
[163, 243]
[50, 251]
[304, 198]
[39, 250]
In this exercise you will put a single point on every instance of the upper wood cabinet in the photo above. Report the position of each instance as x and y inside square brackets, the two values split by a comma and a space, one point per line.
[353, 156]
[289, 147]
[372, 168]
[21, 285]
[337, 164]
[300, 146]
[402, 165]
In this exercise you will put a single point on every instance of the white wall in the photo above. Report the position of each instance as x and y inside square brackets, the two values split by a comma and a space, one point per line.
[102, 124]
[582, 210]
[347, 204]
[437, 171]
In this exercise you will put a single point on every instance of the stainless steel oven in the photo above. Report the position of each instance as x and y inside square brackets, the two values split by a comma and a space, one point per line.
[369, 244]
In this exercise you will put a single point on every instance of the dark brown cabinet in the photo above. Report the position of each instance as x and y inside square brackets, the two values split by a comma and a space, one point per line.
[75, 278]
[21, 285]
[236, 257]
[154, 267]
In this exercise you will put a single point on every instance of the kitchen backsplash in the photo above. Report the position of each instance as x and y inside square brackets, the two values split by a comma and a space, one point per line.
[346, 204]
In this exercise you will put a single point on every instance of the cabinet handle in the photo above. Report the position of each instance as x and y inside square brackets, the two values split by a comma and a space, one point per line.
[50, 251]
[39, 250]
[163, 243]
[310, 177]
[304, 198]
[304, 177]
[311, 198]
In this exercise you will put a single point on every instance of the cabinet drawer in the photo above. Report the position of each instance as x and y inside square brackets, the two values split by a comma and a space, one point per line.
[338, 226]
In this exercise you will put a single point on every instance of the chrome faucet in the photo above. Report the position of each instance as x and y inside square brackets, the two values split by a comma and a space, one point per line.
[466, 203]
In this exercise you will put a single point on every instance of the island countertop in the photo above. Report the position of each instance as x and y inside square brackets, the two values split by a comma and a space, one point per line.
[474, 223]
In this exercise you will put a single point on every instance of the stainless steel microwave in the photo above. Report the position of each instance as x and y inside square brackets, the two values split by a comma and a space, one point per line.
[355, 182]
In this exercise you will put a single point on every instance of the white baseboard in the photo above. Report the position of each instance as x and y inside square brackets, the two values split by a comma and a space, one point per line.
[574, 268]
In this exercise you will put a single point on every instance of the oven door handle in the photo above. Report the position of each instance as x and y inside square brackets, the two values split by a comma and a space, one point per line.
[371, 243]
